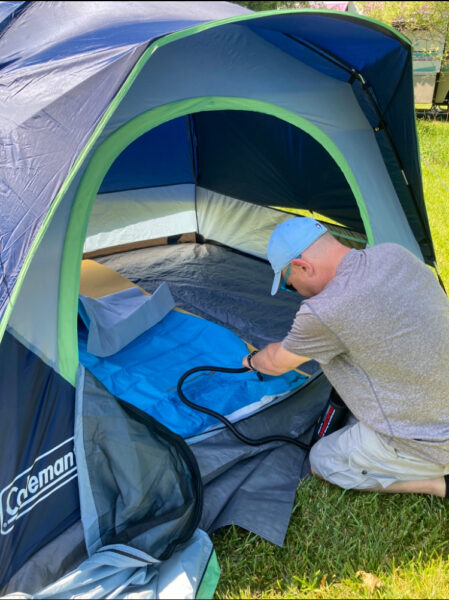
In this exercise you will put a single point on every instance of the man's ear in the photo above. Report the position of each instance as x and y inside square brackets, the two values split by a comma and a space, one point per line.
[304, 265]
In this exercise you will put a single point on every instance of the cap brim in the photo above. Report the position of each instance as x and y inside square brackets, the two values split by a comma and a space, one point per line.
[276, 283]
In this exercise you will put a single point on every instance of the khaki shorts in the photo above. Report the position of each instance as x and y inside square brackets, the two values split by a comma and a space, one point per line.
[356, 457]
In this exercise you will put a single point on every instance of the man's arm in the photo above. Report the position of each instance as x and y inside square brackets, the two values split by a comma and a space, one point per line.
[274, 359]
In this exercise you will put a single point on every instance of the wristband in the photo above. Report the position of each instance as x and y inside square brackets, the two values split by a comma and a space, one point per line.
[249, 357]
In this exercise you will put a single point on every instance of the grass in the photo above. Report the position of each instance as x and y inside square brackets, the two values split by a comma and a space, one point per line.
[434, 144]
[343, 544]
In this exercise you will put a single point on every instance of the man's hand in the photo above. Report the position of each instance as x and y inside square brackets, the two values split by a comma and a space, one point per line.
[274, 359]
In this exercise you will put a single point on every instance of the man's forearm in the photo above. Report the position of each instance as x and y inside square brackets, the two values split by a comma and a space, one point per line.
[263, 361]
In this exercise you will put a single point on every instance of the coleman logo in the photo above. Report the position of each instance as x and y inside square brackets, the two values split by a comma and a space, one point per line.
[47, 474]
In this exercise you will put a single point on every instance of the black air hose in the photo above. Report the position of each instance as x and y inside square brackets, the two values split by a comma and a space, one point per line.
[235, 431]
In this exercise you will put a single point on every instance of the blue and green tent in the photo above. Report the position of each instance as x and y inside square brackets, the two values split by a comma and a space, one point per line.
[163, 141]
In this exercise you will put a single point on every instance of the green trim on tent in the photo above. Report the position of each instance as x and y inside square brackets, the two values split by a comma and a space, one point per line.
[270, 13]
[103, 159]
[210, 579]
[169, 38]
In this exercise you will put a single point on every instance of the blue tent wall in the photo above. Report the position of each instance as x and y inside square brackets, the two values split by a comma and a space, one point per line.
[163, 156]
[48, 115]
[240, 154]
[385, 91]
[37, 439]
[271, 163]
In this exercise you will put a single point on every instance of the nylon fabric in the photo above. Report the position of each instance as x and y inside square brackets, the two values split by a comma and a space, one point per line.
[210, 579]
[87, 73]
[42, 570]
[119, 571]
[270, 162]
[117, 319]
[158, 358]
[38, 482]
[139, 483]
[40, 294]
[132, 215]
[382, 55]
[342, 125]
[8, 11]
[254, 486]
[160, 157]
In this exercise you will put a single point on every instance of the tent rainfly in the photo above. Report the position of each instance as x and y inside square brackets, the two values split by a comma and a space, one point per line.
[147, 151]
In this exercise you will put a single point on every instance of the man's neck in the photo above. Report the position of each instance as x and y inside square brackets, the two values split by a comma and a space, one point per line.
[336, 256]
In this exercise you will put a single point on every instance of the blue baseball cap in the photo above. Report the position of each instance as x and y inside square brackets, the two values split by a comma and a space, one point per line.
[288, 241]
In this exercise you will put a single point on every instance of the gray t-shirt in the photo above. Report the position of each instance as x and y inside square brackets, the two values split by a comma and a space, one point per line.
[380, 331]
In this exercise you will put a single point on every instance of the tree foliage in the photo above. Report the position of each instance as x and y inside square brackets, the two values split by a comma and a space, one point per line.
[258, 6]
[416, 16]
[425, 16]
[431, 17]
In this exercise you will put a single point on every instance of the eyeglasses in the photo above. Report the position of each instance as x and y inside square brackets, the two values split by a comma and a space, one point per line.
[287, 287]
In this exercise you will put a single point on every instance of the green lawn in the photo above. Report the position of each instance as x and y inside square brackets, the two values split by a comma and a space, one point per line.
[348, 544]
[434, 148]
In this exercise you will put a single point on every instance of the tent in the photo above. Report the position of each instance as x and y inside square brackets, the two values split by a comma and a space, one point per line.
[162, 142]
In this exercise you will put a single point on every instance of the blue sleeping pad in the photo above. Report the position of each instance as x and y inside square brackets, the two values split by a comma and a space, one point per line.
[146, 371]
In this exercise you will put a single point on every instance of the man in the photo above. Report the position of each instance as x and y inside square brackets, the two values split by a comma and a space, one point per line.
[377, 321]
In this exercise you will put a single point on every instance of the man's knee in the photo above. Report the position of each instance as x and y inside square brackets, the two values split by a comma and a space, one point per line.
[315, 458]
[328, 462]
